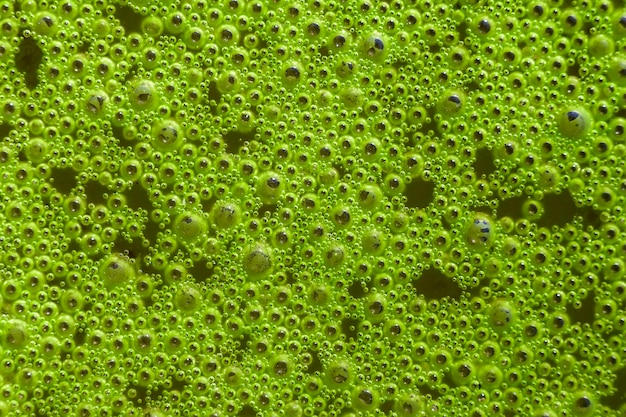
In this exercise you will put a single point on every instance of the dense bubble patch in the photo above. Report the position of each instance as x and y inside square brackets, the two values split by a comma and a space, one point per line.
[312, 208]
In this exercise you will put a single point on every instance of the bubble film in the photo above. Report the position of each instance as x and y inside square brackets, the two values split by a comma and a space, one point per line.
[321, 208]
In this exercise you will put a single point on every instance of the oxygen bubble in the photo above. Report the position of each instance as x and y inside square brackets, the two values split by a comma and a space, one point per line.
[451, 103]
[116, 271]
[584, 403]
[369, 196]
[339, 374]
[501, 313]
[364, 398]
[143, 95]
[376, 308]
[190, 226]
[532, 210]
[480, 231]
[15, 334]
[601, 45]
[463, 372]
[408, 405]
[292, 73]
[374, 46]
[490, 375]
[95, 102]
[334, 256]
[36, 150]
[281, 366]
[225, 214]
[269, 187]
[188, 299]
[617, 71]
[167, 135]
[152, 26]
[258, 261]
[575, 123]
[374, 241]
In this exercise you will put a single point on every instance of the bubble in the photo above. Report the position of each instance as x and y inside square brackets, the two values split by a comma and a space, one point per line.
[115, 271]
[605, 198]
[601, 45]
[95, 102]
[188, 299]
[143, 95]
[584, 403]
[319, 294]
[346, 69]
[334, 256]
[270, 186]
[451, 103]
[463, 372]
[292, 73]
[339, 374]
[281, 366]
[152, 26]
[167, 135]
[408, 405]
[36, 150]
[190, 226]
[364, 398]
[490, 375]
[175, 23]
[227, 35]
[575, 123]
[258, 261]
[71, 300]
[369, 196]
[480, 231]
[617, 71]
[483, 26]
[373, 241]
[374, 46]
[225, 214]
[15, 334]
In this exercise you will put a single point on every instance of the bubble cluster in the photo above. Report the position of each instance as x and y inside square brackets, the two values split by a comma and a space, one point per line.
[320, 208]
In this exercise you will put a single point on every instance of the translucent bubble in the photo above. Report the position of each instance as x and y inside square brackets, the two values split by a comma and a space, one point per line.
[36, 150]
[408, 405]
[15, 334]
[373, 241]
[95, 102]
[335, 256]
[72, 300]
[188, 298]
[258, 261]
[374, 46]
[451, 103]
[491, 375]
[480, 231]
[601, 45]
[282, 366]
[152, 26]
[292, 73]
[584, 403]
[369, 196]
[167, 135]
[617, 71]
[143, 95]
[339, 373]
[116, 270]
[226, 214]
[575, 123]
[270, 186]
[190, 226]
[365, 398]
